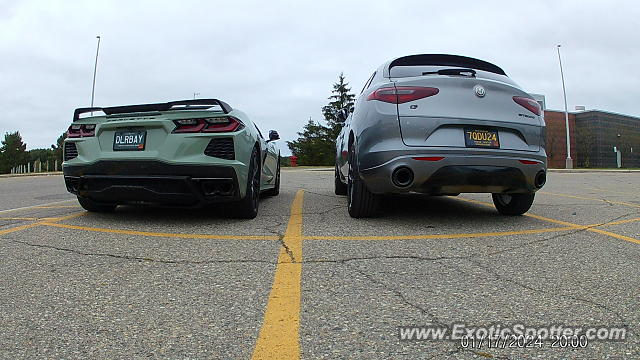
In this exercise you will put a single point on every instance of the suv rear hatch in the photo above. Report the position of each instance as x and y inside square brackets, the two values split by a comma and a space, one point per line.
[474, 99]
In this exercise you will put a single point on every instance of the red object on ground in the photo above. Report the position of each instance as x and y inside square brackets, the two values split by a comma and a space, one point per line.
[293, 160]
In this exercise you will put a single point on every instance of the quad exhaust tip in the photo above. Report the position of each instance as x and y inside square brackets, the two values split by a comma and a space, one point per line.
[402, 176]
[217, 187]
[541, 179]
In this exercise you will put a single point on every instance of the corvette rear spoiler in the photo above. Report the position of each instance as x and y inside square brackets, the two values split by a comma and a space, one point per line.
[197, 104]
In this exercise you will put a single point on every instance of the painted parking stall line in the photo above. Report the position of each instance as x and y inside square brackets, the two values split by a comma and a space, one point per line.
[279, 336]
[592, 228]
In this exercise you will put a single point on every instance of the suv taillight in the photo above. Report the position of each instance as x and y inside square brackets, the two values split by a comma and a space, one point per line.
[215, 124]
[77, 130]
[528, 104]
[402, 94]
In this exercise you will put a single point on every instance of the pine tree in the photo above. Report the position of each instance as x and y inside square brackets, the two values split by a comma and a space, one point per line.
[58, 147]
[313, 147]
[13, 151]
[341, 98]
[316, 144]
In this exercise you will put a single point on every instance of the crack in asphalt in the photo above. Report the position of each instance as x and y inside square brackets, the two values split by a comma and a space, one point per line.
[139, 258]
[286, 249]
[531, 288]
[433, 317]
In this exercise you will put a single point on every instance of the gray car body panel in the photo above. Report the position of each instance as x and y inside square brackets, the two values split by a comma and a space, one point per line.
[386, 135]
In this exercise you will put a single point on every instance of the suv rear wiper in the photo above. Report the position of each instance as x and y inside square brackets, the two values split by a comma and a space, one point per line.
[460, 72]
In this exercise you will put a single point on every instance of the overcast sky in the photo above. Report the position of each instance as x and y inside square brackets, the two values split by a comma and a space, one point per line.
[278, 60]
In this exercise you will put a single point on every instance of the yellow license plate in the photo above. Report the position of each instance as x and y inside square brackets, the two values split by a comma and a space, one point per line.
[481, 138]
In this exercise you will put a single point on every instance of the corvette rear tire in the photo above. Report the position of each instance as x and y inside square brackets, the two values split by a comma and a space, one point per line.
[276, 189]
[361, 202]
[247, 208]
[513, 204]
[340, 188]
[93, 206]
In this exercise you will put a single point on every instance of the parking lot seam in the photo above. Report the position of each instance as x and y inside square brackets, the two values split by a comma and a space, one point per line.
[158, 234]
[138, 258]
[279, 336]
[592, 199]
[442, 236]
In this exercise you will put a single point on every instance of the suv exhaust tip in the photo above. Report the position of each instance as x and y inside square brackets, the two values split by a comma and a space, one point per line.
[541, 179]
[402, 176]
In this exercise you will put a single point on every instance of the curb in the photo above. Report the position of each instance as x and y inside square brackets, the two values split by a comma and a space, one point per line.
[581, 171]
[31, 174]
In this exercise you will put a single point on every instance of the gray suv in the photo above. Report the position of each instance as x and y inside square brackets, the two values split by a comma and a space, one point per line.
[441, 125]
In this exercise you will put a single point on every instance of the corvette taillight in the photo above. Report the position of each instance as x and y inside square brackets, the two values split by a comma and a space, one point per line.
[88, 130]
[402, 94]
[528, 104]
[77, 130]
[216, 124]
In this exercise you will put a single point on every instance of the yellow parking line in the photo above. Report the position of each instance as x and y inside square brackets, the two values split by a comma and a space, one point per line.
[619, 222]
[55, 207]
[159, 234]
[591, 228]
[590, 198]
[35, 206]
[19, 218]
[618, 236]
[444, 236]
[29, 226]
[279, 335]
[18, 228]
[612, 191]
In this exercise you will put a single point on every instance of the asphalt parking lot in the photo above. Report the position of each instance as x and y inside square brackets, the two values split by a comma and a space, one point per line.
[304, 280]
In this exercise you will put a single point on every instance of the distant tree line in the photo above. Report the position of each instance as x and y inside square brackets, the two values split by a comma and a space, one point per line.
[316, 142]
[14, 153]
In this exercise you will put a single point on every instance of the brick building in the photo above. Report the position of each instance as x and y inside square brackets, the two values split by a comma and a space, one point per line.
[594, 135]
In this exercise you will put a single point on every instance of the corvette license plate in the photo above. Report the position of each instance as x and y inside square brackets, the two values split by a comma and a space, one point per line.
[481, 138]
[129, 140]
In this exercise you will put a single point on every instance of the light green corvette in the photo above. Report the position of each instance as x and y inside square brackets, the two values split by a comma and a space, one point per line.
[181, 153]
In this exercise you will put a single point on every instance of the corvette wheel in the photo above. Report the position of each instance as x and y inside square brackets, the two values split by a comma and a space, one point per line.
[276, 189]
[340, 188]
[247, 208]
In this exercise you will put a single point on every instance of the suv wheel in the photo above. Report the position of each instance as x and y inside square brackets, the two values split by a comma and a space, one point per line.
[512, 204]
[362, 202]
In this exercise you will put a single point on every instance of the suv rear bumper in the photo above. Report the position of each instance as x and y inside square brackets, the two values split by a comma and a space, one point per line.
[152, 182]
[458, 173]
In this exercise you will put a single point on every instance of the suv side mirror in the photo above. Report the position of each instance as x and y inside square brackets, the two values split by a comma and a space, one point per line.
[273, 135]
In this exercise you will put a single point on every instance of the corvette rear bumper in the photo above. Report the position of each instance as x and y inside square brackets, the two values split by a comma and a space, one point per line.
[152, 182]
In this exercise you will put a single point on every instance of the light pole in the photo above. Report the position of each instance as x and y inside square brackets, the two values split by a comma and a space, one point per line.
[568, 161]
[95, 68]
